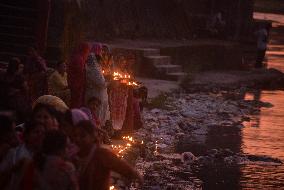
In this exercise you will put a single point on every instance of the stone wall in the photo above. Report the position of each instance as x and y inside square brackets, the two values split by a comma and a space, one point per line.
[174, 19]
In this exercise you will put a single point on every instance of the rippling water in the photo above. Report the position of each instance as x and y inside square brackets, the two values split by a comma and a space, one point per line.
[264, 134]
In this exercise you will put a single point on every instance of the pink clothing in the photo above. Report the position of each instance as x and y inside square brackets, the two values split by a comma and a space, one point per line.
[78, 115]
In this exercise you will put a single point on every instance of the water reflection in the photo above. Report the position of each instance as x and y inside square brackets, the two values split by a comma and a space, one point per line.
[264, 134]
[268, 137]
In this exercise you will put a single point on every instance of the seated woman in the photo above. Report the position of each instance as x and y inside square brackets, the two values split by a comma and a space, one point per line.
[35, 70]
[96, 162]
[13, 165]
[57, 83]
[52, 170]
[16, 89]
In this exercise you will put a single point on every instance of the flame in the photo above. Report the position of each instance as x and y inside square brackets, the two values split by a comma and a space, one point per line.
[120, 149]
[125, 79]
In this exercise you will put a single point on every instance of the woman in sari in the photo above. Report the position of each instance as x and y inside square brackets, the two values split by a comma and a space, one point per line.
[96, 87]
[35, 69]
[77, 75]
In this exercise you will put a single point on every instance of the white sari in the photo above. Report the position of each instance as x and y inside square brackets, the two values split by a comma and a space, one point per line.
[96, 87]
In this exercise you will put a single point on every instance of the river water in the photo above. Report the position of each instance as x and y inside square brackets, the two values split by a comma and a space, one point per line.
[264, 134]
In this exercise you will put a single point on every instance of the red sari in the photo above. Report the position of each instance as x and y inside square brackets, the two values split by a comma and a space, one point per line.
[77, 76]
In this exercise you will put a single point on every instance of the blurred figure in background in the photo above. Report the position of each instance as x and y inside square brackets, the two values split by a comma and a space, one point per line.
[16, 90]
[57, 83]
[13, 165]
[35, 69]
[77, 75]
[50, 170]
[262, 40]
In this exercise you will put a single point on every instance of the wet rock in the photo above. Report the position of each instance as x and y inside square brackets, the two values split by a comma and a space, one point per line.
[188, 158]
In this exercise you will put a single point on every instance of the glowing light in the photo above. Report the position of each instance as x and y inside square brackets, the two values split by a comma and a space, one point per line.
[111, 187]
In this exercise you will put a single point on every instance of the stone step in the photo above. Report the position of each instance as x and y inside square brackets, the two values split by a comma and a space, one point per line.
[177, 76]
[14, 47]
[28, 4]
[17, 21]
[12, 29]
[6, 56]
[19, 11]
[169, 68]
[16, 38]
[158, 60]
[150, 52]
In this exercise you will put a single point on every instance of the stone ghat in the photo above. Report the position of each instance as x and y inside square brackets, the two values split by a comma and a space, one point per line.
[172, 59]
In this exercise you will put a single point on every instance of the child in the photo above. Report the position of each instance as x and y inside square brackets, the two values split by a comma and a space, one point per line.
[95, 162]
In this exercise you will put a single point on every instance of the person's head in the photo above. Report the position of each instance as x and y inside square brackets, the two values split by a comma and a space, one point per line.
[45, 115]
[54, 143]
[7, 132]
[61, 67]
[21, 69]
[84, 134]
[93, 104]
[13, 66]
[71, 118]
[32, 51]
[83, 50]
[97, 49]
[105, 50]
[33, 134]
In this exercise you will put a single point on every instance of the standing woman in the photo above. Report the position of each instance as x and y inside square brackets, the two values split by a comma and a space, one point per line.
[96, 87]
[77, 75]
[35, 69]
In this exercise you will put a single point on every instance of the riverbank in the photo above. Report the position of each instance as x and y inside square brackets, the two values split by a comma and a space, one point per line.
[199, 131]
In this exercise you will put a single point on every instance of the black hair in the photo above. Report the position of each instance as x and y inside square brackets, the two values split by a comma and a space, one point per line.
[6, 126]
[59, 63]
[13, 66]
[94, 99]
[29, 126]
[89, 128]
[54, 142]
[51, 110]
[68, 117]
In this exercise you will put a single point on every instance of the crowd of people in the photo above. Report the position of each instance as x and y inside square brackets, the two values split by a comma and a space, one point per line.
[52, 125]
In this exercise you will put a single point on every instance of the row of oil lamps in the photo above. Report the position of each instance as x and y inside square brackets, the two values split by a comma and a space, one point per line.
[123, 78]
